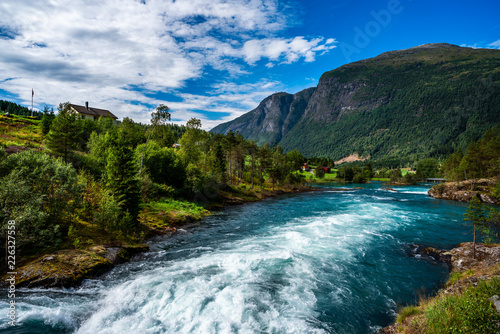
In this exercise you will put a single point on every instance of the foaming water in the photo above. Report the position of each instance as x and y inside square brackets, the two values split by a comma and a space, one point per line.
[322, 262]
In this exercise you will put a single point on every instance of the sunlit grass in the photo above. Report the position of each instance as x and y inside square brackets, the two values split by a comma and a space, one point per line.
[20, 131]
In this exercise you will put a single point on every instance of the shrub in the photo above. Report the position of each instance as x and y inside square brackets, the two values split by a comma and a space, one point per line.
[359, 178]
[39, 193]
[162, 164]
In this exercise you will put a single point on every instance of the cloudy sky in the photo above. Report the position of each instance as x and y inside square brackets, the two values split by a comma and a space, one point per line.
[210, 59]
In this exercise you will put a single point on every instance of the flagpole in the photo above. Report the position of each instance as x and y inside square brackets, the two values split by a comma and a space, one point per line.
[32, 93]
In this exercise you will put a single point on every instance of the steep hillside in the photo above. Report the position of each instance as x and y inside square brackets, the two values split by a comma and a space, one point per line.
[272, 119]
[407, 104]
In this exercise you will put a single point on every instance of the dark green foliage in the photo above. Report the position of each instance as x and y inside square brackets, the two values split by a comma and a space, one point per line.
[319, 172]
[296, 159]
[99, 205]
[162, 164]
[121, 181]
[481, 159]
[219, 162]
[359, 178]
[409, 178]
[64, 132]
[197, 181]
[427, 168]
[395, 175]
[16, 109]
[47, 118]
[38, 192]
[346, 173]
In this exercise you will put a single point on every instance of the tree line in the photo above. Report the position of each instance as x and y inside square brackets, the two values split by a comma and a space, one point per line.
[104, 173]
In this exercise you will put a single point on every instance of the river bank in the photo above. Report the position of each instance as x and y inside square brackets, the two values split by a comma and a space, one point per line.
[69, 267]
[473, 282]
[324, 261]
[463, 191]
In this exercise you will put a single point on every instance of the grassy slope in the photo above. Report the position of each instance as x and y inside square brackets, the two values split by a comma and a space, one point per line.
[463, 306]
[20, 131]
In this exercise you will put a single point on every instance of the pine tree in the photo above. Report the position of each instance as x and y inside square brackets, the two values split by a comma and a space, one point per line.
[475, 213]
[47, 118]
[121, 181]
[64, 132]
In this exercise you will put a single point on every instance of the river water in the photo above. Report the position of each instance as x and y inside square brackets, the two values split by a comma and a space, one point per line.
[320, 262]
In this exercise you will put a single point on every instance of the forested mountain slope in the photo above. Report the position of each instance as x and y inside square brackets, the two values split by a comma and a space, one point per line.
[423, 101]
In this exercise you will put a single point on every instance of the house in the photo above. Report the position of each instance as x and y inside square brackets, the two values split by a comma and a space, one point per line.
[176, 146]
[92, 113]
[306, 167]
[327, 169]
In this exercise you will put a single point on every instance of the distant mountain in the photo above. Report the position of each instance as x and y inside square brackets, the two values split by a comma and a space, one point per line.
[272, 119]
[423, 101]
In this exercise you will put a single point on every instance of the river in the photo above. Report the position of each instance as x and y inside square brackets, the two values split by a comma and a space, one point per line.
[319, 262]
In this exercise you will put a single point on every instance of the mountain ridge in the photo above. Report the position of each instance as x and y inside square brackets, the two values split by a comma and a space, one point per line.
[406, 103]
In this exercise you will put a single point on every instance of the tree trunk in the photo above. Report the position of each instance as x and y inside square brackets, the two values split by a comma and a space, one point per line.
[474, 245]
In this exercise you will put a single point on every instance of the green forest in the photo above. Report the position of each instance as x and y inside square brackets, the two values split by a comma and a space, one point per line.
[99, 181]
[79, 182]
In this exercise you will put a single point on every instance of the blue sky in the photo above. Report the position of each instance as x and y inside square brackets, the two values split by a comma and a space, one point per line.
[210, 59]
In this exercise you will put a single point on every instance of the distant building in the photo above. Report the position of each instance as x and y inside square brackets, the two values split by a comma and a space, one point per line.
[306, 167]
[91, 112]
[327, 169]
[176, 146]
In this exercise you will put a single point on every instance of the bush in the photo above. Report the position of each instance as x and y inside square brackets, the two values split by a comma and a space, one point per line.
[39, 193]
[319, 172]
[409, 178]
[154, 191]
[162, 164]
[359, 178]
[99, 206]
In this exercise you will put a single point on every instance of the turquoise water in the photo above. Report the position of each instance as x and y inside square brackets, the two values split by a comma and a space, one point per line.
[321, 262]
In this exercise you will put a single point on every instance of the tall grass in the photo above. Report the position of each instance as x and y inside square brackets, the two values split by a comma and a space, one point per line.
[470, 312]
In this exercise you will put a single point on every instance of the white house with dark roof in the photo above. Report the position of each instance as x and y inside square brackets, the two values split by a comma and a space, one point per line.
[91, 112]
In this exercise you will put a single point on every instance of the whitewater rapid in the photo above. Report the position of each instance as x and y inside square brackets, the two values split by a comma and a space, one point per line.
[323, 262]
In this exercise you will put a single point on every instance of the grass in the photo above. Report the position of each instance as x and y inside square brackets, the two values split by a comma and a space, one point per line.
[180, 208]
[457, 276]
[168, 212]
[469, 312]
[407, 312]
[20, 131]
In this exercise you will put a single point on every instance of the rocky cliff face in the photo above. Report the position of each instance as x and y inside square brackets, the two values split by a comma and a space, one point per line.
[404, 103]
[272, 119]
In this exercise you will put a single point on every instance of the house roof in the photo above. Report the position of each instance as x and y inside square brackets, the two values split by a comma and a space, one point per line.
[93, 111]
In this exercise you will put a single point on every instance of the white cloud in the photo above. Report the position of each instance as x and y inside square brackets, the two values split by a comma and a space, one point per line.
[481, 45]
[495, 44]
[290, 50]
[115, 51]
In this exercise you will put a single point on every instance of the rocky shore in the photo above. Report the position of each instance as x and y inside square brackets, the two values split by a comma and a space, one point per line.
[67, 268]
[465, 271]
[463, 191]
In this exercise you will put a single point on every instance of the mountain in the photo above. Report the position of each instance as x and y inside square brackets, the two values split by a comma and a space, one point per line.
[407, 104]
[272, 119]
